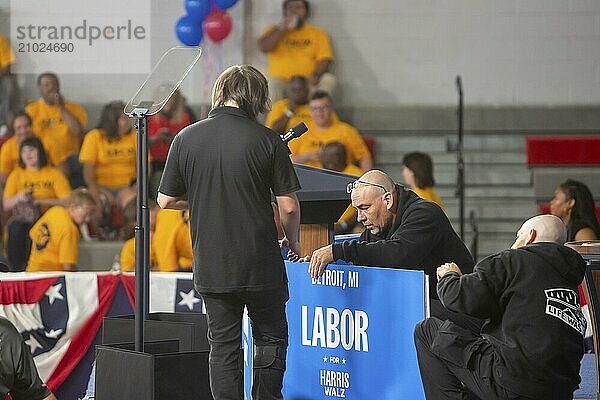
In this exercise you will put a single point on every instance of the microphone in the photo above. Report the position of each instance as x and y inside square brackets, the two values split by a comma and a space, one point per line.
[294, 132]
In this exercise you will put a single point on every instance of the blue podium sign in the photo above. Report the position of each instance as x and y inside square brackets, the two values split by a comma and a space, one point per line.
[351, 333]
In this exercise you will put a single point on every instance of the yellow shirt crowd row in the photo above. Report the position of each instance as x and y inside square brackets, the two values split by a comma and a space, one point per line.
[55, 243]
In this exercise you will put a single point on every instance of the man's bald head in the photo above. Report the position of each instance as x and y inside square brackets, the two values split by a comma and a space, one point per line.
[549, 228]
[376, 177]
[375, 200]
[541, 228]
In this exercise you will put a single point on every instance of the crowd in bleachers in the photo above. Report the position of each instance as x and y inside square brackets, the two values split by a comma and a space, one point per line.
[59, 178]
[49, 150]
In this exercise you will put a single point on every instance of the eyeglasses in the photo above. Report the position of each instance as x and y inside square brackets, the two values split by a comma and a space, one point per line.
[324, 107]
[352, 185]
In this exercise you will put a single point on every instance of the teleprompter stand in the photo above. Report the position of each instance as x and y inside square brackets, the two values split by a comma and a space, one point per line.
[153, 356]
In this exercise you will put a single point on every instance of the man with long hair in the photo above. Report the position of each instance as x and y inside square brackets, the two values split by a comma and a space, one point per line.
[224, 169]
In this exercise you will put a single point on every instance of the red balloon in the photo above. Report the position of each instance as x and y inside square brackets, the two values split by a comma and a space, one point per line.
[217, 25]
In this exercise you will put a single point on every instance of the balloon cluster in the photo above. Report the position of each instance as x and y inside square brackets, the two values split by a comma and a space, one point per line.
[204, 17]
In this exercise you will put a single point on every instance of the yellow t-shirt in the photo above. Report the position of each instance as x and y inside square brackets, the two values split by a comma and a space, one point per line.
[128, 255]
[53, 131]
[114, 161]
[350, 214]
[338, 131]
[45, 183]
[172, 241]
[171, 246]
[7, 57]
[428, 194]
[298, 52]
[9, 155]
[54, 241]
[301, 114]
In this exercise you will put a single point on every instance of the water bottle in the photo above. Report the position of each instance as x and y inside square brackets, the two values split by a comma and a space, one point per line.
[116, 265]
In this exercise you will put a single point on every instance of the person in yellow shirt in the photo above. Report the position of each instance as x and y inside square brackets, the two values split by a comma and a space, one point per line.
[293, 109]
[58, 122]
[294, 47]
[334, 157]
[7, 57]
[170, 240]
[324, 129]
[108, 153]
[9, 91]
[418, 176]
[127, 256]
[55, 236]
[30, 188]
[108, 156]
[9, 152]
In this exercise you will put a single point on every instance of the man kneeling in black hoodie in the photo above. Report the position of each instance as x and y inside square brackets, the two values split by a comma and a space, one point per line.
[532, 343]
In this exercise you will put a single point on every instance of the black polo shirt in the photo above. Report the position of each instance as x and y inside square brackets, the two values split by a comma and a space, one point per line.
[227, 165]
[18, 374]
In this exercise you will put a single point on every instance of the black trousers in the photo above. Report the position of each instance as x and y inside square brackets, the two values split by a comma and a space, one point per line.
[266, 310]
[18, 245]
[470, 323]
[456, 364]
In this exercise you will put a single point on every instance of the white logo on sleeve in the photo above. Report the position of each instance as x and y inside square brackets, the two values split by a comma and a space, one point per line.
[564, 305]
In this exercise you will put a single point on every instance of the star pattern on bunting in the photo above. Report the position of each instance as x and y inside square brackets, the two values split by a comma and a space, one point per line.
[33, 344]
[188, 299]
[53, 293]
[54, 333]
[53, 319]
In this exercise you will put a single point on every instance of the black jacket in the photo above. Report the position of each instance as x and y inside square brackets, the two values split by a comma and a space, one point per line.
[421, 238]
[535, 325]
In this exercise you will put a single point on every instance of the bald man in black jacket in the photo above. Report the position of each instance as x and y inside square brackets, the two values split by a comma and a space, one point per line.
[402, 231]
[532, 343]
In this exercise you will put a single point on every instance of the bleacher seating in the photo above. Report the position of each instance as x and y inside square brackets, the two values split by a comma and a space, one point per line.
[556, 158]
[563, 150]
[498, 181]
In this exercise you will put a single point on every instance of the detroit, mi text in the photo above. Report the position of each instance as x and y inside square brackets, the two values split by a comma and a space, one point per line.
[334, 277]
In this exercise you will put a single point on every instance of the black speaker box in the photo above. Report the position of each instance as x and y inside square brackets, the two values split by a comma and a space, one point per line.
[188, 328]
[174, 364]
[152, 375]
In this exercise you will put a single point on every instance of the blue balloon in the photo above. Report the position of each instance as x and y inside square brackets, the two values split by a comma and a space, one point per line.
[188, 31]
[225, 4]
[197, 10]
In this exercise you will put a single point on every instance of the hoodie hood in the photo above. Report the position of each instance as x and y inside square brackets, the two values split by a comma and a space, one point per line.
[564, 260]
[405, 198]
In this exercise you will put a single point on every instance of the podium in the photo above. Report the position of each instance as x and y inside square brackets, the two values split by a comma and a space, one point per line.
[323, 199]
